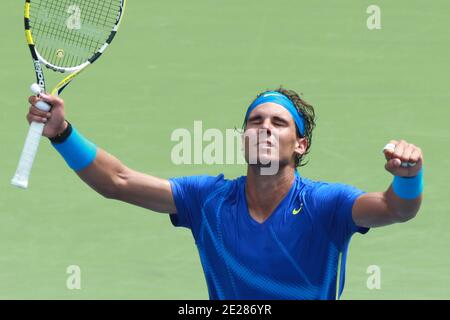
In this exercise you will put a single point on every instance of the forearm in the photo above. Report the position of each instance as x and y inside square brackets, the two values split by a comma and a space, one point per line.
[402, 209]
[100, 170]
[104, 174]
[108, 176]
[93, 165]
[402, 200]
[400, 203]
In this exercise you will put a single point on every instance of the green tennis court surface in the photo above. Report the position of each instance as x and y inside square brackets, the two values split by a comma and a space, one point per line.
[176, 62]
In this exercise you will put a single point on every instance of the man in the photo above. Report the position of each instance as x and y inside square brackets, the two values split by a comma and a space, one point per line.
[260, 236]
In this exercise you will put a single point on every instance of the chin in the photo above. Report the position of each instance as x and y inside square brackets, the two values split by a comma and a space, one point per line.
[267, 160]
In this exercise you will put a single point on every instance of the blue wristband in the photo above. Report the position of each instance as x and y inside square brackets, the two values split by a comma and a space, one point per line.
[77, 150]
[408, 187]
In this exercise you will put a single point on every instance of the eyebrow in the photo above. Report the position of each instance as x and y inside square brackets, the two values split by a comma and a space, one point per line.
[255, 117]
[278, 118]
[275, 118]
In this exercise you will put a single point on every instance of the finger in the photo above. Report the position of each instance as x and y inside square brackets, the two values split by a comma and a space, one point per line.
[406, 156]
[399, 149]
[394, 167]
[389, 149]
[33, 118]
[393, 164]
[40, 113]
[33, 100]
[416, 155]
[54, 101]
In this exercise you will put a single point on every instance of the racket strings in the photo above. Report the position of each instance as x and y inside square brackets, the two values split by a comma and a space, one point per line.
[68, 32]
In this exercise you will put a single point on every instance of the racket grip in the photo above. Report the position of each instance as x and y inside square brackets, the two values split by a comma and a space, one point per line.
[30, 148]
[44, 106]
[29, 151]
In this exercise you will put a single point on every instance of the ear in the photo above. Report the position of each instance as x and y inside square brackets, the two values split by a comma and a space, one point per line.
[301, 145]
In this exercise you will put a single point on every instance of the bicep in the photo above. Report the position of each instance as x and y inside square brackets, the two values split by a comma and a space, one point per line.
[371, 210]
[112, 179]
[146, 191]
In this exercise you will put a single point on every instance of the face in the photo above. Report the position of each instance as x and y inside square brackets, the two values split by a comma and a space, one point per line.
[270, 136]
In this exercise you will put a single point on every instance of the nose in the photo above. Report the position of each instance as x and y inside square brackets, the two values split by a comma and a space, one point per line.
[266, 126]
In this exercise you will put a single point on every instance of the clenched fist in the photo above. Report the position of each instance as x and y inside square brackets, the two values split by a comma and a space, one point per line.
[403, 159]
[54, 119]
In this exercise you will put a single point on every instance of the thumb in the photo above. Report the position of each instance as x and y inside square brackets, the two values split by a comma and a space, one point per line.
[54, 101]
[393, 164]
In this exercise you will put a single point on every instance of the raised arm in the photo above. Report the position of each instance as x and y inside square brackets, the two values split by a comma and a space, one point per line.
[109, 177]
[103, 172]
[402, 200]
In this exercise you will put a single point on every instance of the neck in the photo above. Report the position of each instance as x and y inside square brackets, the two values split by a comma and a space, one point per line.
[265, 192]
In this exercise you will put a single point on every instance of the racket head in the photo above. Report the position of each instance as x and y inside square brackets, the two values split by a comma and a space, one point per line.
[68, 35]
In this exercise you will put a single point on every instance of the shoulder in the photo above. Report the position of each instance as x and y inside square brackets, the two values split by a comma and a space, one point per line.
[325, 192]
[204, 184]
[190, 193]
[316, 187]
[322, 186]
[332, 204]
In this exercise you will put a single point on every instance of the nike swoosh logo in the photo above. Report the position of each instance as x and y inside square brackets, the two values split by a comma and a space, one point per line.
[296, 211]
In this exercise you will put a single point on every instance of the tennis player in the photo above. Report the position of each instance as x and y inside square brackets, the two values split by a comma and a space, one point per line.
[260, 236]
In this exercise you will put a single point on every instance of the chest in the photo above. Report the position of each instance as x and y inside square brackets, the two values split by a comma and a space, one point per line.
[288, 232]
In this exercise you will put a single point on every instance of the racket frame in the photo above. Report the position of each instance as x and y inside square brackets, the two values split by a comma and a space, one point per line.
[29, 151]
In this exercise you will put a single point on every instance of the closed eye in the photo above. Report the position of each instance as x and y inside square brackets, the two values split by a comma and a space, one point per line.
[280, 121]
[254, 119]
[276, 121]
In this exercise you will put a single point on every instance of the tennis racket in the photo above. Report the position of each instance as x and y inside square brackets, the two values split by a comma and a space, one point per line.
[65, 36]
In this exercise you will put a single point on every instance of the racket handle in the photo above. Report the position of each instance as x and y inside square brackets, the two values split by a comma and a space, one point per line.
[42, 105]
[29, 150]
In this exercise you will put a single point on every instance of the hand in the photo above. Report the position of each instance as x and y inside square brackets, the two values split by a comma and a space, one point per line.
[54, 119]
[403, 152]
